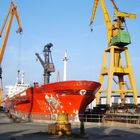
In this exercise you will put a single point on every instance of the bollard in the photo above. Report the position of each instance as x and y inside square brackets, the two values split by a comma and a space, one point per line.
[62, 126]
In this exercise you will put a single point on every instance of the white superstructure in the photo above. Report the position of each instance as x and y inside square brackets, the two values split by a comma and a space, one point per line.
[19, 87]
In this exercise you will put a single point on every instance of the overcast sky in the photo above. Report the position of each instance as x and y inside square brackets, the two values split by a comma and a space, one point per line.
[65, 23]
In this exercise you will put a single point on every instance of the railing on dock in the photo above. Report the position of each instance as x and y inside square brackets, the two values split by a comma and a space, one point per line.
[98, 118]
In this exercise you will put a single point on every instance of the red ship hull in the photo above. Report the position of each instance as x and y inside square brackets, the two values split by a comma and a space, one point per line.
[41, 102]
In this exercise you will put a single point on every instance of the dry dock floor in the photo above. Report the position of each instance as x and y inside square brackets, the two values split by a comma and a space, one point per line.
[94, 131]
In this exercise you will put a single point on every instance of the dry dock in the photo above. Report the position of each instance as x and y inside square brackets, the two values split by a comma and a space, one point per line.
[94, 131]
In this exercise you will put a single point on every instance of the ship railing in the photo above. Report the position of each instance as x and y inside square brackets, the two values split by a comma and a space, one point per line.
[91, 118]
[111, 118]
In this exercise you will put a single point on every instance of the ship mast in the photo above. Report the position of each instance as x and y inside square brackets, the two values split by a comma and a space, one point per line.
[65, 59]
[20, 77]
[47, 63]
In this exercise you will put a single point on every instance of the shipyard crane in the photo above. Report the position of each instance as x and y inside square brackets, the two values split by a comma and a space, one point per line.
[12, 11]
[47, 63]
[118, 38]
[113, 28]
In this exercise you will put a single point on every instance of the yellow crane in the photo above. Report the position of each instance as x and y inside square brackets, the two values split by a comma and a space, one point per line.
[118, 38]
[113, 28]
[12, 11]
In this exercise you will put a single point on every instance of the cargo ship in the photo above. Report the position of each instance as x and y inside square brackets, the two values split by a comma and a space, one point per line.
[44, 102]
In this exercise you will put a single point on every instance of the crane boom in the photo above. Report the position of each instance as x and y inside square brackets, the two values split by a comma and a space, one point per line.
[113, 28]
[4, 23]
[40, 59]
[114, 5]
[12, 12]
[122, 14]
[93, 11]
[105, 14]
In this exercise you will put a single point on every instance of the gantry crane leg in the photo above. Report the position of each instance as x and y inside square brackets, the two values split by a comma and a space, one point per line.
[106, 72]
[122, 88]
[101, 76]
[115, 68]
[131, 77]
[110, 76]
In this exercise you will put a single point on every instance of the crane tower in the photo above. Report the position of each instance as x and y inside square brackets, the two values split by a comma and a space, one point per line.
[47, 63]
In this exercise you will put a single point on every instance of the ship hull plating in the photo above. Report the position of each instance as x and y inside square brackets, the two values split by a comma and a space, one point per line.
[46, 101]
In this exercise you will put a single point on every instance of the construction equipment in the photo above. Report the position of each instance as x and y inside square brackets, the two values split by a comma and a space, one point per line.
[47, 64]
[8, 21]
[118, 38]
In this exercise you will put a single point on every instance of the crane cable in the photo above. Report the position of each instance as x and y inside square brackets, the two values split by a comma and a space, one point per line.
[19, 53]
